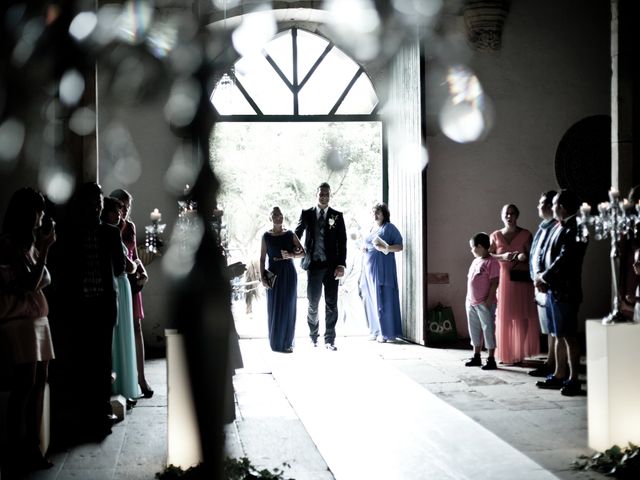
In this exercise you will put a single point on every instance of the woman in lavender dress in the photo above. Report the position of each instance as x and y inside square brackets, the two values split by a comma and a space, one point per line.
[380, 279]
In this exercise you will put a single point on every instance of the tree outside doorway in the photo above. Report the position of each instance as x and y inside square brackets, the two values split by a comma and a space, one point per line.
[263, 164]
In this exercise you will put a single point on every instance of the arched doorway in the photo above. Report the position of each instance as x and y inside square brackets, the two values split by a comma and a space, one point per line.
[301, 113]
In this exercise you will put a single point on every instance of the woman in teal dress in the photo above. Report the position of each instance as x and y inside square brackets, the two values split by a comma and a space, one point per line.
[123, 351]
[137, 281]
[380, 279]
[280, 246]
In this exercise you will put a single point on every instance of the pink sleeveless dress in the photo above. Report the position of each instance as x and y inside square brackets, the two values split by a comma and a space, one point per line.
[129, 239]
[517, 327]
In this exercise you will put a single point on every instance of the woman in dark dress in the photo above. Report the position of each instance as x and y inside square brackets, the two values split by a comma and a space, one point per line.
[280, 246]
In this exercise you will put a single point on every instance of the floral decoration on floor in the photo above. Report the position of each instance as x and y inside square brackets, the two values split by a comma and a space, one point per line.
[234, 469]
[621, 463]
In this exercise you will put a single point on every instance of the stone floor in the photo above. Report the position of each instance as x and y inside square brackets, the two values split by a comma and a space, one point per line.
[136, 449]
[369, 410]
[403, 411]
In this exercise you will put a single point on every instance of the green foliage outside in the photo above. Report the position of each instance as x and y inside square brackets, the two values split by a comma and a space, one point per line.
[265, 164]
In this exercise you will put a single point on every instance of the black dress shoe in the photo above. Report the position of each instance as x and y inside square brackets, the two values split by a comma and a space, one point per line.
[490, 365]
[571, 388]
[40, 463]
[314, 342]
[542, 371]
[36, 461]
[474, 362]
[331, 347]
[550, 383]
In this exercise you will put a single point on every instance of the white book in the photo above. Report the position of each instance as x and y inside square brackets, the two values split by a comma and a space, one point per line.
[381, 243]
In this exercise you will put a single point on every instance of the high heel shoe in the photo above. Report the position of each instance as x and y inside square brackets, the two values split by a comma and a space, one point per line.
[41, 464]
[36, 461]
[147, 393]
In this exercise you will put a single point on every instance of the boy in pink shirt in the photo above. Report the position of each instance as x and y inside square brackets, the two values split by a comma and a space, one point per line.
[482, 283]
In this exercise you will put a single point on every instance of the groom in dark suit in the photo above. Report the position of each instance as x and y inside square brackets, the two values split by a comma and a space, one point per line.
[325, 256]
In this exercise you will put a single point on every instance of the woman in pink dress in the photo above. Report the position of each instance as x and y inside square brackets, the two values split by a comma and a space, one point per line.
[25, 337]
[517, 327]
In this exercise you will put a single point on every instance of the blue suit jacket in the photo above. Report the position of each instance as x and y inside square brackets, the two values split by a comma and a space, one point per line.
[564, 274]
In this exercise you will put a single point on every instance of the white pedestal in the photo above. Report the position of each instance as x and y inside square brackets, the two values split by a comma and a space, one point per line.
[613, 381]
[183, 442]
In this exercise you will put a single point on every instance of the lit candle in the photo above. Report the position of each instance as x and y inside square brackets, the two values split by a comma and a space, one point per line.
[614, 194]
[155, 215]
[585, 208]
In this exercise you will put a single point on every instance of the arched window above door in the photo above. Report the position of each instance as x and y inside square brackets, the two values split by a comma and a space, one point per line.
[299, 73]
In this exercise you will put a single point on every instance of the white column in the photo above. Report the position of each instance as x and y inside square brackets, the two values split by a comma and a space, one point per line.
[613, 382]
[183, 442]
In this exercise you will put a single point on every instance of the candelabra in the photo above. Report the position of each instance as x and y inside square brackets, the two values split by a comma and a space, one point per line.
[154, 233]
[616, 219]
[188, 222]
[187, 225]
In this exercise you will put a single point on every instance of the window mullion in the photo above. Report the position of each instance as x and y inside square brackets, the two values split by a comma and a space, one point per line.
[278, 71]
[346, 91]
[246, 95]
[300, 59]
[294, 53]
[315, 65]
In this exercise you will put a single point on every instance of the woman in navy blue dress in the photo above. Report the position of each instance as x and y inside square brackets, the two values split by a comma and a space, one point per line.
[380, 279]
[280, 246]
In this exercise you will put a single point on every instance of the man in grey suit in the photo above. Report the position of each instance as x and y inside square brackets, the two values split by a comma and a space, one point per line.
[325, 245]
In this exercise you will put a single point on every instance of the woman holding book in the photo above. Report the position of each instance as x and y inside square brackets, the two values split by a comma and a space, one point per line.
[280, 246]
[379, 277]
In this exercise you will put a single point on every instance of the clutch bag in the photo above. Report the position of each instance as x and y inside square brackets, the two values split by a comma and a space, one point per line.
[270, 278]
[519, 276]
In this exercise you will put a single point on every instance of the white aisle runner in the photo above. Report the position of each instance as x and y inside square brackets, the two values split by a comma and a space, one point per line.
[370, 421]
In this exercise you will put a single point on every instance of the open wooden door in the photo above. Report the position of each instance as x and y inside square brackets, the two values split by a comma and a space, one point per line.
[405, 183]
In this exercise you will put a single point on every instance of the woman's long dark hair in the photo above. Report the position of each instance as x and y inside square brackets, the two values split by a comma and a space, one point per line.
[19, 219]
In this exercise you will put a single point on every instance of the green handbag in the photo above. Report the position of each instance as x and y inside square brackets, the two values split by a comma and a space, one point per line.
[441, 325]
